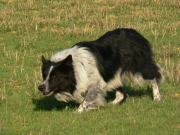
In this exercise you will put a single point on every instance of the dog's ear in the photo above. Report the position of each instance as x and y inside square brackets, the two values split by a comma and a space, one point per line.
[44, 61]
[67, 62]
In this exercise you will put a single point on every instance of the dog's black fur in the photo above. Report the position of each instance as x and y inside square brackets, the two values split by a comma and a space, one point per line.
[124, 48]
[105, 64]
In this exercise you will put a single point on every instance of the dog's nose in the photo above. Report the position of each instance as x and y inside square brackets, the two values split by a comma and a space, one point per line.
[41, 87]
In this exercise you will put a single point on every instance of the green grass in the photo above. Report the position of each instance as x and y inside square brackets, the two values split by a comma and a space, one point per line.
[30, 28]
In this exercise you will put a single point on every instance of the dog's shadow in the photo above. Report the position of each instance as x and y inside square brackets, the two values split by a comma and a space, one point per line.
[133, 92]
[50, 103]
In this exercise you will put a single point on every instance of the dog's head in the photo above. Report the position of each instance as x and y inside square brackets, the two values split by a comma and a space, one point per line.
[57, 77]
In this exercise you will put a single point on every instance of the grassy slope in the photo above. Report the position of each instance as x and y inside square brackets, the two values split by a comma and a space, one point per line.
[30, 28]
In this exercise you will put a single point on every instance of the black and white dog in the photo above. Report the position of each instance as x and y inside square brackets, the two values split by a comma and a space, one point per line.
[85, 72]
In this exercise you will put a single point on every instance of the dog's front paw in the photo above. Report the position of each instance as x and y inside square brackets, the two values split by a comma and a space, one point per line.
[79, 110]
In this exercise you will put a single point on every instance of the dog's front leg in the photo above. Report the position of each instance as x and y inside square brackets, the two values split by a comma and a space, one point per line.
[94, 98]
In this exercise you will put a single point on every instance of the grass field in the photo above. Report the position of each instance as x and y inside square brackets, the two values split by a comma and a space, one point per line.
[30, 28]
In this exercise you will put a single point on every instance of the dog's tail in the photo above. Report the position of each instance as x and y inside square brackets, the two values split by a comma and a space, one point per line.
[159, 74]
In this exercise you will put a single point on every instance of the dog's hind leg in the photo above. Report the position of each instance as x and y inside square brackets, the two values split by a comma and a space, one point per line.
[156, 93]
[120, 96]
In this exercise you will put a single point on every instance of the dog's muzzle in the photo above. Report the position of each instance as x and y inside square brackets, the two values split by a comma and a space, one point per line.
[41, 87]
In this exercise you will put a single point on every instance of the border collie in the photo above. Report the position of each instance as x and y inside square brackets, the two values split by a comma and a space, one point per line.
[90, 69]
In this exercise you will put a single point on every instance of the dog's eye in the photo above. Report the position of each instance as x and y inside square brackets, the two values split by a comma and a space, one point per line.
[53, 77]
